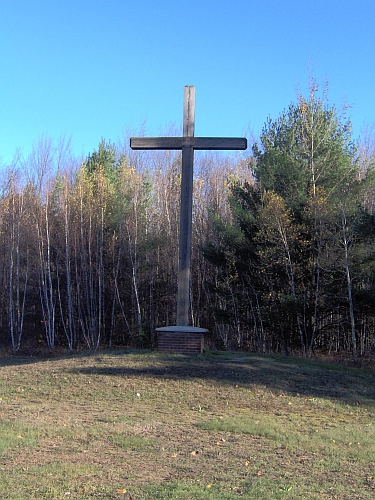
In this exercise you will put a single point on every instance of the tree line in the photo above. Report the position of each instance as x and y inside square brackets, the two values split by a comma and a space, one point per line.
[282, 254]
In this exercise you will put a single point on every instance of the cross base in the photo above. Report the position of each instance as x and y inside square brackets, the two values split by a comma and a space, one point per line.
[181, 339]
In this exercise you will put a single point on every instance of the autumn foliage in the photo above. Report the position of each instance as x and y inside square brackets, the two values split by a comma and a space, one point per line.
[282, 242]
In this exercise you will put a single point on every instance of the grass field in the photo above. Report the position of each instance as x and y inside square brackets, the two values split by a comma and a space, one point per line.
[142, 425]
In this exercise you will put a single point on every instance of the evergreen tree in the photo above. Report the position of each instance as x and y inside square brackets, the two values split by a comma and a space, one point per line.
[298, 227]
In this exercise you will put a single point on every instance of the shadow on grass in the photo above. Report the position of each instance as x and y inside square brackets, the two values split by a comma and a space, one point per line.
[292, 376]
[279, 374]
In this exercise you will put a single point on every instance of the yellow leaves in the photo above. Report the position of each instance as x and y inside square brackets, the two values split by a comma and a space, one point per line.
[232, 180]
[303, 107]
[275, 217]
[318, 205]
[199, 184]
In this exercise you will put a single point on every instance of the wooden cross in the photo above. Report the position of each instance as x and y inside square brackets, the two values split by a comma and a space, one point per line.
[187, 143]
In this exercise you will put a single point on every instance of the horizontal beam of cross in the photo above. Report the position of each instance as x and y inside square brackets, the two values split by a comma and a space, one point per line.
[198, 143]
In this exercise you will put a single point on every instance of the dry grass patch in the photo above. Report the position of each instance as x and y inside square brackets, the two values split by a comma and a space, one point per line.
[142, 425]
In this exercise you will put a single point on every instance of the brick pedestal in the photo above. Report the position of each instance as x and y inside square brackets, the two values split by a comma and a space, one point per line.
[181, 339]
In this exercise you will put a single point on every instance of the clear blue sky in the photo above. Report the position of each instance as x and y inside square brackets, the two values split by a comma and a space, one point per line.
[96, 68]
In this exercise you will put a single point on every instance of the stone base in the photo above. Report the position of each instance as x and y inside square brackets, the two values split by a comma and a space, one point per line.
[181, 339]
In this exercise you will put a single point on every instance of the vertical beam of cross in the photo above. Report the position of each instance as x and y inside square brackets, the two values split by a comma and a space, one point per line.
[186, 211]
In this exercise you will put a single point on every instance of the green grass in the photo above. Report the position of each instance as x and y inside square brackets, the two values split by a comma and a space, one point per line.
[16, 435]
[136, 443]
[141, 425]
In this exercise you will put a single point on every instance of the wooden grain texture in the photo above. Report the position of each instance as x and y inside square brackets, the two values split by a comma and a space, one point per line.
[189, 111]
[198, 143]
[184, 252]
